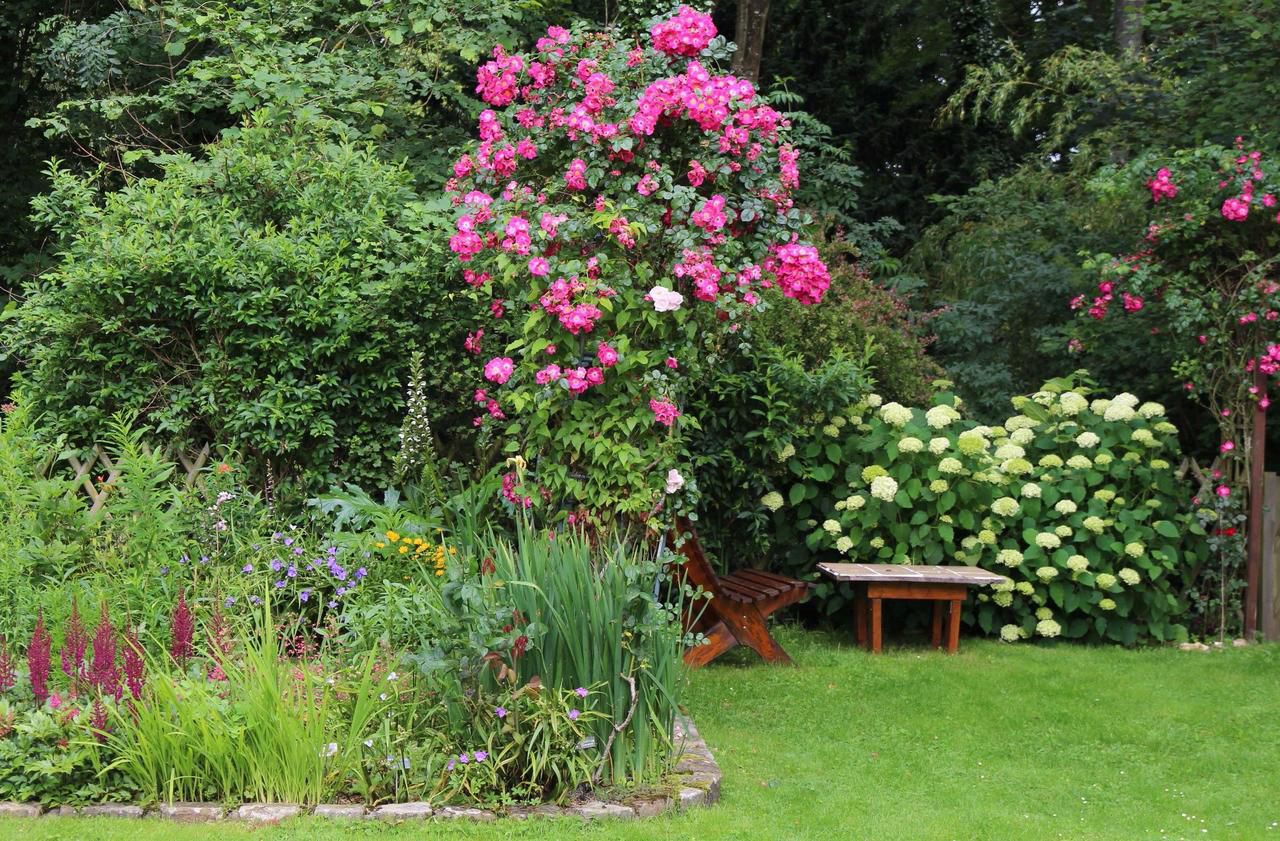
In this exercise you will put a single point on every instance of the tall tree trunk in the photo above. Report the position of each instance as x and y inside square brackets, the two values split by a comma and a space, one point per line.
[1128, 26]
[749, 35]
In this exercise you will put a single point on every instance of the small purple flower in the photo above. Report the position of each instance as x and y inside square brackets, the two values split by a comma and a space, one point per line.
[288, 541]
[231, 600]
[362, 572]
[255, 547]
[464, 758]
[332, 604]
[292, 572]
[341, 591]
[247, 568]
[276, 536]
[255, 599]
[481, 756]
[164, 570]
[332, 550]
[276, 565]
[573, 715]
[298, 550]
[500, 712]
[581, 692]
[183, 559]
[450, 765]
[304, 595]
[280, 585]
[204, 559]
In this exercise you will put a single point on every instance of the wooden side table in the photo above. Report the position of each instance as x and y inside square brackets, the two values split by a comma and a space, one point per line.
[946, 586]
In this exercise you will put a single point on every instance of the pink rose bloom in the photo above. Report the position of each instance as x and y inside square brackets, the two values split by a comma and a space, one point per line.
[539, 267]
[672, 363]
[499, 369]
[1235, 210]
[595, 376]
[55, 701]
[549, 374]
[607, 355]
[665, 300]
[674, 481]
[664, 411]
[1223, 491]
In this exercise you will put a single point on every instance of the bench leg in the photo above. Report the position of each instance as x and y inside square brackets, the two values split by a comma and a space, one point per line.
[860, 617]
[719, 640]
[953, 627]
[875, 626]
[937, 624]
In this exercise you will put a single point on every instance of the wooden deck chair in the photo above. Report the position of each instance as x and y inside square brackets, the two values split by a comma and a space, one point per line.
[739, 606]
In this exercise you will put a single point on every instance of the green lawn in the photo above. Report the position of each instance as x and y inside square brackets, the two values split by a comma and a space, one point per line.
[1011, 743]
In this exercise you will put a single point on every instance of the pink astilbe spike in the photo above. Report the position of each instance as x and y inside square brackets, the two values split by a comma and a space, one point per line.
[7, 675]
[74, 647]
[38, 653]
[104, 675]
[182, 630]
[133, 663]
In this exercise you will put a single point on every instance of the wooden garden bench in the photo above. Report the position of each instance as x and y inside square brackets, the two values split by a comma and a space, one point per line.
[946, 586]
[739, 605]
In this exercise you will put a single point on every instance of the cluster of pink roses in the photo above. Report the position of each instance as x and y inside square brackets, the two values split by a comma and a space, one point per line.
[596, 162]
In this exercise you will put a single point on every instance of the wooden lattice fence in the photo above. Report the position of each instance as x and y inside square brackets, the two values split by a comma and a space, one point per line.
[96, 471]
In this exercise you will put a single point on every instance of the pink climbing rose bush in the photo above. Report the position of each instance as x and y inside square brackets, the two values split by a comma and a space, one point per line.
[622, 207]
[1204, 274]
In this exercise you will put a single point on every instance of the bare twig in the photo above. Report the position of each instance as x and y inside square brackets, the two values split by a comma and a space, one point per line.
[617, 728]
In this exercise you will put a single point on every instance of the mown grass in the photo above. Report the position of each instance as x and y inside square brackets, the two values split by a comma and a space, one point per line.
[1007, 743]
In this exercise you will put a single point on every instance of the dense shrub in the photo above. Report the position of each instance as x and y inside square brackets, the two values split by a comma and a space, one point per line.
[264, 298]
[1077, 502]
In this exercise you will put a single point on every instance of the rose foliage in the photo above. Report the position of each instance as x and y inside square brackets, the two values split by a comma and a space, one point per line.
[620, 213]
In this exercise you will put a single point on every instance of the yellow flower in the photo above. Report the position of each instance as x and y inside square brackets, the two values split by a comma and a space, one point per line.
[439, 572]
[404, 549]
[418, 541]
[380, 545]
[393, 537]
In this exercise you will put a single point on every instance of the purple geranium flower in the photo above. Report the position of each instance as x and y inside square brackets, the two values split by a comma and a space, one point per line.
[481, 756]
[581, 692]
[280, 585]
[247, 568]
[463, 758]
[500, 712]
[304, 595]
[573, 715]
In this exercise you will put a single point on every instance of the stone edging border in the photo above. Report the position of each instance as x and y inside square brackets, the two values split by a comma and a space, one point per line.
[696, 779]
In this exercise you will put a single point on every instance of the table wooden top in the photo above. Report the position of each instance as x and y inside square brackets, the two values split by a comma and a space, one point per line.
[923, 574]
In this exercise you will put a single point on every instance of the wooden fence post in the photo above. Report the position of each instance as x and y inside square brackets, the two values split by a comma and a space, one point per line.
[1269, 595]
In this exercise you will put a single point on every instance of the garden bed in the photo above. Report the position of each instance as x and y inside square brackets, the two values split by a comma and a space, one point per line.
[696, 782]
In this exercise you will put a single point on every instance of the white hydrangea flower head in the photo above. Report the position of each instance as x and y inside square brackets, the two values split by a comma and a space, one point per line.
[971, 442]
[831, 430]
[1103, 459]
[1134, 550]
[1107, 604]
[895, 414]
[1020, 422]
[1051, 461]
[1166, 428]
[1094, 524]
[854, 502]
[788, 450]
[874, 400]
[1022, 437]
[831, 526]
[969, 541]
[1026, 588]
[1044, 613]
[1065, 506]
[938, 446]
[1079, 462]
[1048, 540]
[1003, 599]
[910, 444]
[1008, 451]
[1088, 440]
[1016, 466]
[1132, 457]
[1009, 557]
[1072, 403]
[1047, 574]
[1044, 398]
[1159, 464]
[772, 500]
[884, 488]
[1031, 490]
[1048, 628]
[839, 422]
[1124, 398]
[950, 466]
[1063, 531]
[844, 544]
[1129, 576]
[873, 471]
[877, 543]
[939, 486]
[1006, 506]
[1003, 586]
[939, 417]
[1104, 580]
[1151, 410]
[1099, 406]
[1117, 412]
[1104, 494]
[987, 537]
[1010, 633]
[1145, 438]
[1077, 563]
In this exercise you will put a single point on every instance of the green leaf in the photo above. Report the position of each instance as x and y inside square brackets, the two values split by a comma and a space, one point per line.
[797, 493]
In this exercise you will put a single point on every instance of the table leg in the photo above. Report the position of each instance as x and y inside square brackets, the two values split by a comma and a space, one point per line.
[875, 626]
[937, 624]
[953, 627]
[860, 616]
